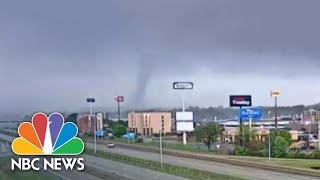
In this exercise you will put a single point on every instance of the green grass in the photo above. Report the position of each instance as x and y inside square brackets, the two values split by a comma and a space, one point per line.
[295, 163]
[190, 147]
[7, 174]
[186, 172]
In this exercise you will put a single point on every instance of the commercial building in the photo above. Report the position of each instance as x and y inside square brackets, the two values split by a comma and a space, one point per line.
[100, 121]
[231, 127]
[149, 123]
[86, 123]
[310, 116]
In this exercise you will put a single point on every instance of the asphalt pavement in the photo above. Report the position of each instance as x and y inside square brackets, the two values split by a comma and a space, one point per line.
[110, 169]
[125, 170]
[233, 170]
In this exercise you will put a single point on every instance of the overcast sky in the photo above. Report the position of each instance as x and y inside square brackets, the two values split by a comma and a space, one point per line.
[54, 54]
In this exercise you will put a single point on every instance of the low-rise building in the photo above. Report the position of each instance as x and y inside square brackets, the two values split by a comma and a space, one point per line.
[85, 123]
[149, 123]
[310, 116]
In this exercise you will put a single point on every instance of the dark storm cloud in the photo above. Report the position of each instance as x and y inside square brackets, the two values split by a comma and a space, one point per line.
[105, 48]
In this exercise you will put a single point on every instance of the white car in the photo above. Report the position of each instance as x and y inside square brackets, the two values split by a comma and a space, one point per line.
[110, 145]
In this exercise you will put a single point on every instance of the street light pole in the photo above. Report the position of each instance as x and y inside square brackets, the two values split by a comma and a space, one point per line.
[161, 158]
[276, 111]
[269, 143]
[309, 134]
[318, 134]
[307, 123]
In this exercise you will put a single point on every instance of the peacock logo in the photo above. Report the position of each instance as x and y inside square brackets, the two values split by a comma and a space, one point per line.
[47, 136]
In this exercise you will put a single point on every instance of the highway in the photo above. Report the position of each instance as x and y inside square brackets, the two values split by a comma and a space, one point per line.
[222, 168]
[109, 169]
[128, 171]
[239, 171]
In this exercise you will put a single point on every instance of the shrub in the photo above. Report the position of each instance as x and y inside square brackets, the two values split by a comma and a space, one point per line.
[316, 154]
[119, 130]
[241, 151]
[297, 155]
[280, 147]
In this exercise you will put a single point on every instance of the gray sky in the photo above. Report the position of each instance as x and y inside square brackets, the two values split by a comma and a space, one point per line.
[53, 54]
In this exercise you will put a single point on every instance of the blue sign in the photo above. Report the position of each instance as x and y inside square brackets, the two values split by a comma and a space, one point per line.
[130, 136]
[99, 133]
[252, 113]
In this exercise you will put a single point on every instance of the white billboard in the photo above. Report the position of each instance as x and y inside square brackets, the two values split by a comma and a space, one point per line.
[183, 85]
[184, 116]
[185, 126]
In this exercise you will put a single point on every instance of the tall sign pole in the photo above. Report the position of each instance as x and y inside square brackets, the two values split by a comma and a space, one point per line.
[241, 129]
[240, 101]
[275, 94]
[183, 86]
[118, 111]
[91, 101]
[119, 100]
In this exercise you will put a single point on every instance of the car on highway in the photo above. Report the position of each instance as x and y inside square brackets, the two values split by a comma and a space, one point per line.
[110, 145]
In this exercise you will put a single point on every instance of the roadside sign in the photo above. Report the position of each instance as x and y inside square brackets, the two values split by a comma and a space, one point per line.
[184, 116]
[275, 93]
[91, 100]
[119, 98]
[185, 127]
[240, 100]
[183, 85]
[252, 113]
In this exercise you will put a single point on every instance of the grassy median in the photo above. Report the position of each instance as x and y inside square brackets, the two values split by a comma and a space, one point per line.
[304, 164]
[166, 168]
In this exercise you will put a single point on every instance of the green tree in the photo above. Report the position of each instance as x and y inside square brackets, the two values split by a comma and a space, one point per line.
[72, 118]
[251, 146]
[207, 134]
[248, 136]
[119, 130]
[113, 123]
[280, 147]
[280, 132]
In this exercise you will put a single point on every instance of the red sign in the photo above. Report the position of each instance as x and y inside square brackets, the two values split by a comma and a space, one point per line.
[119, 98]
